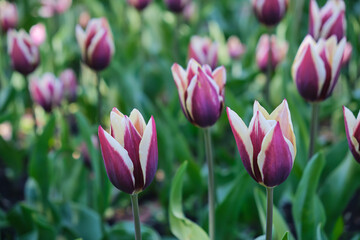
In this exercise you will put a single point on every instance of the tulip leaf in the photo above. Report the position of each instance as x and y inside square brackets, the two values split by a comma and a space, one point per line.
[307, 208]
[320, 235]
[125, 231]
[6, 95]
[279, 223]
[286, 236]
[180, 226]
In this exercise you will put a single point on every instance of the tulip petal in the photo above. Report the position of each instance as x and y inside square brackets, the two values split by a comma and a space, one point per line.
[258, 107]
[191, 70]
[219, 75]
[337, 57]
[335, 24]
[352, 128]
[118, 164]
[138, 121]
[100, 50]
[314, 19]
[180, 78]
[80, 37]
[117, 129]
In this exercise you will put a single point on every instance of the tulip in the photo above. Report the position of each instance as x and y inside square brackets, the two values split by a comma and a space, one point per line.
[347, 53]
[278, 52]
[8, 15]
[38, 34]
[23, 52]
[204, 51]
[201, 92]
[352, 128]
[270, 12]
[69, 81]
[46, 91]
[316, 67]
[139, 4]
[235, 48]
[96, 43]
[327, 21]
[52, 7]
[84, 19]
[176, 6]
[190, 11]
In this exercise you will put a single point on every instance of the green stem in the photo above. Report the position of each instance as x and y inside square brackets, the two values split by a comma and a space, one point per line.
[313, 128]
[268, 71]
[30, 101]
[99, 102]
[269, 212]
[135, 208]
[211, 194]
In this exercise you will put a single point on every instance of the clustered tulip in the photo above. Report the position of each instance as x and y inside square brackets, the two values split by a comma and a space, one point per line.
[38, 34]
[235, 48]
[352, 128]
[46, 91]
[139, 4]
[316, 67]
[8, 15]
[176, 6]
[204, 51]
[23, 52]
[51, 7]
[130, 151]
[278, 52]
[69, 81]
[96, 43]
[201, 92]
[270, 12]
[267, 148]
[327, 21]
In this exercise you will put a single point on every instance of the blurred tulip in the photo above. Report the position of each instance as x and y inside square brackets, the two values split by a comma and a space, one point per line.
[201, 92]
[316, 67]
[278, 52]
[139, 4]
[96, 43]
[235, 48]
[51, 7]
[347, 53]
[204, 51]
[352, 128]
[46, 91]
[38, 34]
[176, 6]
[268, 147]
[130, 151]
[8, 15]
[84, 19]
[327, 21]
[270, 12]
[69, 81]
[190, 11]
[23, 52]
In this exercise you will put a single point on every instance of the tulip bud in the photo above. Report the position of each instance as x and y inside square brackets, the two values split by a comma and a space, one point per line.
[46, 91]
[201, 92]
[69, 81]
[96, 43]
[176, 6]
[352, 128]
[204, 51]
[316, 67]
[130, 151]
[278, 52]
[268, 147]
[38, 34]
[84, 19]
[327, 21]
[139, 4]
[190, 11]
[235, 48]
[8, 15]
[270, 12]
[23, 52]
[51, 7]
[347, 53]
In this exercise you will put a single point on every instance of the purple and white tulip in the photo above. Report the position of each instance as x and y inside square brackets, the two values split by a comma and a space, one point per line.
[24, 54]
[176, 6]
[235, 48]
[139, 4]
[347, 53]
[8, 16]
[130, 151]
[46, 91]
[352, 128]
[38, 34]
[69, 81]
[204, 51]
[96, 43]
[316, 67]
[327, 21]
[50, 8]
[270, 12]
[201, 92]
[268, 147]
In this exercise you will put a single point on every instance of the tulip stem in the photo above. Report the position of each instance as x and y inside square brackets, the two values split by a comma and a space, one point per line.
[211, 193]
[269, 212]
[313, 127]
[268, 71]
[98, 78]
[135, 208]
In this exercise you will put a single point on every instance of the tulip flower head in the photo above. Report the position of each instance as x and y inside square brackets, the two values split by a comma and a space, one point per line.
[267, 148]
[50, 8]
[8, 15]
[352, 128]
[327, 21]
[69, 81]
[46, 91]
[235, 48]
[201, 92]
[96, 43]
[130, 151]
[176, 6]
[316, 67]
[204, 51]
[270, 12]
[38, 34]
[278, 52]
[24, 54]
[347, 53]
[139, 4]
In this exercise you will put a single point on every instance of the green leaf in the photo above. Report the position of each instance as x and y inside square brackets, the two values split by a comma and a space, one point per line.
[279, 223]
[286, 236]
[320, 235]
[180, 226]
[6, 95]
[126, 231]
[307, 209]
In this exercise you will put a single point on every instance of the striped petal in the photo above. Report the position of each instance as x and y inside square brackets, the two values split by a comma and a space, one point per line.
[352, 129]
[117, 123]
[180, 78]
[219, 75]
[314, 19]
[138, 121]
[100, 50]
